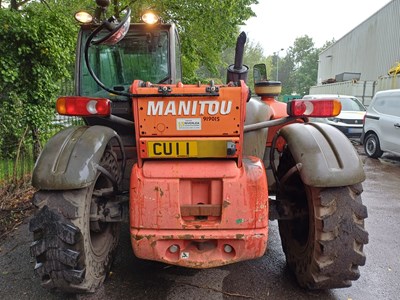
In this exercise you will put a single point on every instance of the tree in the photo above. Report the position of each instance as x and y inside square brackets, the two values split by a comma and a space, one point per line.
[299, 68]
[36, 52]
[253, 54]
[206, 27]
[306, 64]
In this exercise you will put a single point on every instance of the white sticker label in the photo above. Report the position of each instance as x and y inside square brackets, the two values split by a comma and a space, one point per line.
[188, 124]
[184, 255]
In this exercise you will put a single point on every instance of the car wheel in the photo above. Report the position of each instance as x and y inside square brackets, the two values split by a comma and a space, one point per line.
[372, 147]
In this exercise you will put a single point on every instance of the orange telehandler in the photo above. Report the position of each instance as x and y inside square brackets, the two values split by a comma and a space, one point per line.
[198, 169]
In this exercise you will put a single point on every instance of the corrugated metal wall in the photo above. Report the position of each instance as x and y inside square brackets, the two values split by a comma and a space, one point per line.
[371, 49]
[363, 90]
[388, 83]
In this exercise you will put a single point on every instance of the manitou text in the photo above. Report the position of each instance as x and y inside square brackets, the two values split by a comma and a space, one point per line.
[189, 108]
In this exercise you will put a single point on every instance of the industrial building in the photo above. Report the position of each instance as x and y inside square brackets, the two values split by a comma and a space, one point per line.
[363, 61]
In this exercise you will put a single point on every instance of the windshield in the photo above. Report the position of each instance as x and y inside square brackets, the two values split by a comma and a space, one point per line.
[351, 104]
[140, 55]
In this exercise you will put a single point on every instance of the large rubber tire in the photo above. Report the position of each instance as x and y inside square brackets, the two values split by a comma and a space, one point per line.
[324, 243]
[372, 146]
[72, 253]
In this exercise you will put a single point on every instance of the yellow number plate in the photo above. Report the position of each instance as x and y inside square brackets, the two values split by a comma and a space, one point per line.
[172, 149]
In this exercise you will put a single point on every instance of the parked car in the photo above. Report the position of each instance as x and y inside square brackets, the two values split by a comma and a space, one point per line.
[350, 120]
[381, 130]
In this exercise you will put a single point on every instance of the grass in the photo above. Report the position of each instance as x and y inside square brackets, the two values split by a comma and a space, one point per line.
[11, 171]
[15, 182]
[15, 193]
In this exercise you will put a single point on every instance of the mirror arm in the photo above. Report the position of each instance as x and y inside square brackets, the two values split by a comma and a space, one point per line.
[109, 24]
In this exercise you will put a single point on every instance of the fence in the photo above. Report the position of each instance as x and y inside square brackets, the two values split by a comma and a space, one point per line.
[17, 160]
[17, 155]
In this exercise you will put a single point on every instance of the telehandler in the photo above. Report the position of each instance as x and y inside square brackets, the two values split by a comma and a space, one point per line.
[198, 169]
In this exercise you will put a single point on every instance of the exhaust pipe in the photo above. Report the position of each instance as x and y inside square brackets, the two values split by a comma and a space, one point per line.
[238, 71]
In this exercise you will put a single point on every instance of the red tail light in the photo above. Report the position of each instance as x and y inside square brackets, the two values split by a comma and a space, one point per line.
[83, 106]
[320, 108]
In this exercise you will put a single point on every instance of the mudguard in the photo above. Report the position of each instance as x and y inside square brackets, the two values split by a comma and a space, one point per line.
[70, 158]
[326, 155]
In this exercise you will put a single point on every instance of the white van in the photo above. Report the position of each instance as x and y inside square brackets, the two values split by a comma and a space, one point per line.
[381, 131]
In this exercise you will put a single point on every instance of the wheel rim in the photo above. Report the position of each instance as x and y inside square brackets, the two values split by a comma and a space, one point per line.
[298, 230]
[370, 146]
[101, 233]
[303, 225]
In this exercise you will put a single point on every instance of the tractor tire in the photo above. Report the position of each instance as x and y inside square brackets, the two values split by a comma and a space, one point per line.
[372, 146]
[74, 254]
[323, 241]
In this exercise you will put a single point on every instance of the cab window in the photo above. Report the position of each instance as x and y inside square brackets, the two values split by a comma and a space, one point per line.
[142, 55]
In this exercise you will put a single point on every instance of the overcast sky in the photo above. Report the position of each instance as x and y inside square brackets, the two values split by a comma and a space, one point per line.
[280, 22]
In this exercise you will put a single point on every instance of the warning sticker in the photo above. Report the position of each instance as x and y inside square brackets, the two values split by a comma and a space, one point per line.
[185, 255]
[188, 124]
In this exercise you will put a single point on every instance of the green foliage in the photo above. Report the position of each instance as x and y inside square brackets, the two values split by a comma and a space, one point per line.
[298, 70]
[206, 28]
[253, 54]
[327, 45]
[305, 58]
[36, 52]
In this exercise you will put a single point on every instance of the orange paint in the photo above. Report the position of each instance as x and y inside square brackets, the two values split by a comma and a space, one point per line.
[195, 201]
[243, 224]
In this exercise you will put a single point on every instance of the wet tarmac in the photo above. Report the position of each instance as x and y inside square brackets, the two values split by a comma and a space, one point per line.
[264, 278]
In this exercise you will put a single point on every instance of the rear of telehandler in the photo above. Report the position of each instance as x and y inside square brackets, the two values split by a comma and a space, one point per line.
[196, 163]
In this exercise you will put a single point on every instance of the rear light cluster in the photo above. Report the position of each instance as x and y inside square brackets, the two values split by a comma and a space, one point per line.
[320, 108]
[83, 106]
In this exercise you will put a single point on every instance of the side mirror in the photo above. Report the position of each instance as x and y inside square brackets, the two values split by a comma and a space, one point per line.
[259, 73]
[263, 86]
[117, 30]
